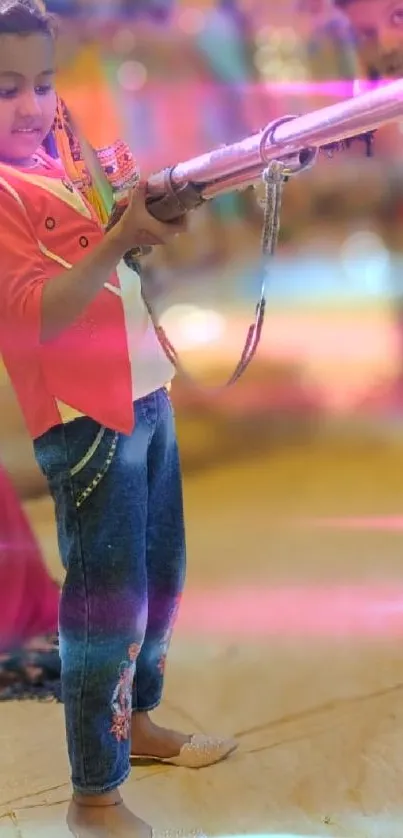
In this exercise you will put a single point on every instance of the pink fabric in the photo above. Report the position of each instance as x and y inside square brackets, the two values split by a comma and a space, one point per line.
[29, 598]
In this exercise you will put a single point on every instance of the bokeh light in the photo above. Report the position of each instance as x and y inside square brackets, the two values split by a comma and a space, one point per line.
[193, 326]
[191, 21]
[124, 41]
[366, 261]
[132, 75]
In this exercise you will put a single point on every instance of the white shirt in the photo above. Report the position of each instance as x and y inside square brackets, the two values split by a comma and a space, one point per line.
[150, 367]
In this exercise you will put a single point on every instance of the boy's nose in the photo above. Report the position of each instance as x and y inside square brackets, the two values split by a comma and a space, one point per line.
[29, 105]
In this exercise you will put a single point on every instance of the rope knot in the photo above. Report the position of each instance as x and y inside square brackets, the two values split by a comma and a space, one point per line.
[274, 173]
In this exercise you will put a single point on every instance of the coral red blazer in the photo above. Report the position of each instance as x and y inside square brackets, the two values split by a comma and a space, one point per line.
[46, 227]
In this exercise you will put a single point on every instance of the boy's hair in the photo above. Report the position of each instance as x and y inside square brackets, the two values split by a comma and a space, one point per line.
[25, 17]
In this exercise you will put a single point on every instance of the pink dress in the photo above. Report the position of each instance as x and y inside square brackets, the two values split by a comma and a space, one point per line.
[29, 601]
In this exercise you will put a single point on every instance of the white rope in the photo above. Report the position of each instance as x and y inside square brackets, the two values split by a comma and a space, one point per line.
[274, 178]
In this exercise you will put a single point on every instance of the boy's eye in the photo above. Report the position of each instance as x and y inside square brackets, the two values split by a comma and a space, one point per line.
[43, 89]
[13, 92]
[8, 93]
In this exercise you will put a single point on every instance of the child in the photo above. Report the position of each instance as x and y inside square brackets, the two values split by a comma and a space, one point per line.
[91, 380]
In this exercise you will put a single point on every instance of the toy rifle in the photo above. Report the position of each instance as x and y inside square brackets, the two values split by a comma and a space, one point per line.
[284, 148]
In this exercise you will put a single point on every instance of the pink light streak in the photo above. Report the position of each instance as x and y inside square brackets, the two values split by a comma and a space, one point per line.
[201, 91]
[383, 523]
[334, 88]
[374, 612]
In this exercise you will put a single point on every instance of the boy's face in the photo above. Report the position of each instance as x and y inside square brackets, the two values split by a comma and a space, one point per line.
[378, 25]
[27, 95]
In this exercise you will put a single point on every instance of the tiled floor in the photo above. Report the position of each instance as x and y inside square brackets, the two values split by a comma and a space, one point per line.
[290, 637]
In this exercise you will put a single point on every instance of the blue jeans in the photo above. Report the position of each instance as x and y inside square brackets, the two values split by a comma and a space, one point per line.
[120, 525]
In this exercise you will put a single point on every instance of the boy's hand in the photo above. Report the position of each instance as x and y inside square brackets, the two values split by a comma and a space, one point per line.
[137, 226]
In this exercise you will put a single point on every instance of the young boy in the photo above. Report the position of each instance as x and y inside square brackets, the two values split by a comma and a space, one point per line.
[91, 381]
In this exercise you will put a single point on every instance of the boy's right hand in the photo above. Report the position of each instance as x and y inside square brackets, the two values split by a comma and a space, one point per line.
[138, 227]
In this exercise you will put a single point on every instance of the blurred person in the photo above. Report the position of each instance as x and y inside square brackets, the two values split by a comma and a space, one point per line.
[223, 43]
[372, 29]
[93, 385]
[29, 603]
[366, 49]
[378, 30]
[225, 46]
[329, 41]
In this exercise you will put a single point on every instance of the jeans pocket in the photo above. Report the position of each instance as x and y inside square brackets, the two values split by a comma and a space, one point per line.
[91, 449]
[79, 452]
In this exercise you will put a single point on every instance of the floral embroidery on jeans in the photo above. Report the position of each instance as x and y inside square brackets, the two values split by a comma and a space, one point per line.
[161, 664]
[168, 634]
[122, 696]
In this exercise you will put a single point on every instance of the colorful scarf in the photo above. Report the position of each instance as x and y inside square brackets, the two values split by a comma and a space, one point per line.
[103, 176]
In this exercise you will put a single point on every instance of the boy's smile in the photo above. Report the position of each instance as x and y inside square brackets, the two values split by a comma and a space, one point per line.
[27, 96]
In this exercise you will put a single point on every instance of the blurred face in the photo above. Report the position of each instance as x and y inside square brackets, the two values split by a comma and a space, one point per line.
[27, 95]
[378, 25]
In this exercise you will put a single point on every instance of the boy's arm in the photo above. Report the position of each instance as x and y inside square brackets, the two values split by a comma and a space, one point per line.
[68, 295]
[26, 297]
[22, 278]
[45, 308]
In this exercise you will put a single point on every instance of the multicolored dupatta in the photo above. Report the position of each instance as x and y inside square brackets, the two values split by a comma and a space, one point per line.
[103, 176]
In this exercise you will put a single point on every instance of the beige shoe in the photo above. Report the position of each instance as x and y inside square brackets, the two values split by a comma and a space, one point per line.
[180, 833]
[200, 752]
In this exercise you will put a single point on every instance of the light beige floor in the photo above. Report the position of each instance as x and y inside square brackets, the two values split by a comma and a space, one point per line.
[319, 718]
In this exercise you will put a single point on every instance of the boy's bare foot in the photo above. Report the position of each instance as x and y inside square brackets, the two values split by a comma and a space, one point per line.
[105, 816]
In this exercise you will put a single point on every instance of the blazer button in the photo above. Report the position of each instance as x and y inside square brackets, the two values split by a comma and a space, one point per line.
[84, 241]
[50, 223]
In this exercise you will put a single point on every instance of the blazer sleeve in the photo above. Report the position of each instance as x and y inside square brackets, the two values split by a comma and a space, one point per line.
[22, 277]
